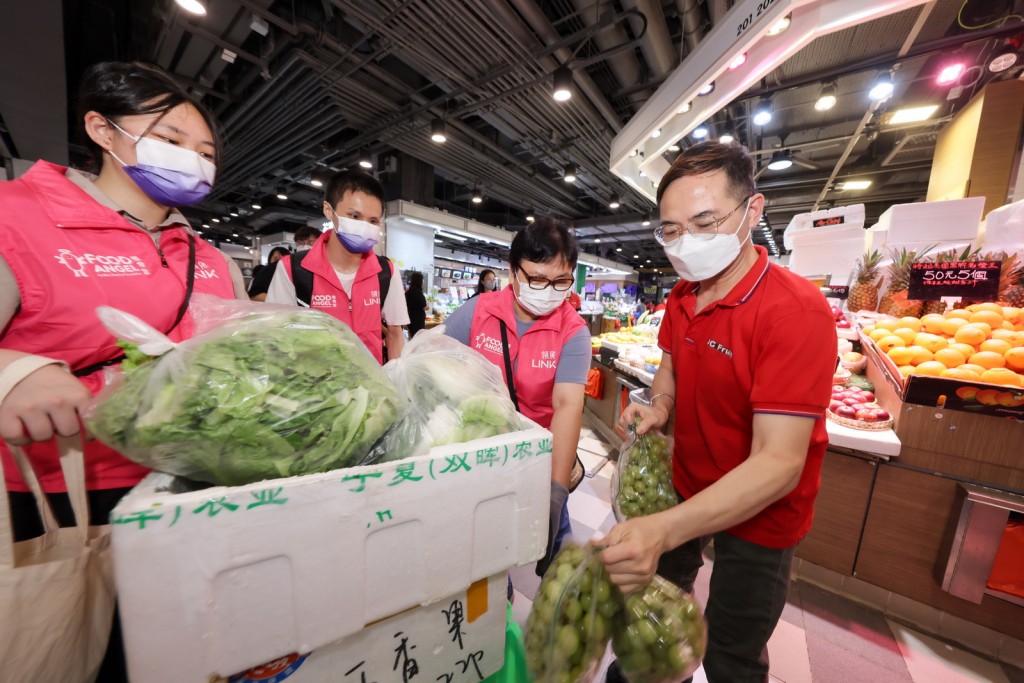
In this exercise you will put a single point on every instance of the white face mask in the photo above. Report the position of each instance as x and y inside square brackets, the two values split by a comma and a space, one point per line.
[697, 260]
[359, 237]
[539, 302]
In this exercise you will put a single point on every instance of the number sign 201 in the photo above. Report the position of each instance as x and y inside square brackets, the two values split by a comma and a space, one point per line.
[762, 7]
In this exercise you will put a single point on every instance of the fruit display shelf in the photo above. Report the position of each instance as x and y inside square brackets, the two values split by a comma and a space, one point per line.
[878, 426]
[642, 375]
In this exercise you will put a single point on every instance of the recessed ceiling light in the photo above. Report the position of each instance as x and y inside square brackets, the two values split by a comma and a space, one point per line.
[685, 108]
[726, 138]
[215, 220]
[315, 182]
[618, 248]
[950, 73]
[193, 6]
[206, 225]
[656, 133]
[256, 206]
[234, 234]
[707, 89]
[598, 239]
[856, 185]
[913, 114]
[700, 132]
[738, 61]
[1005, 59]
[636, 255]
[641, 173]
[673, 148]
[780, 26]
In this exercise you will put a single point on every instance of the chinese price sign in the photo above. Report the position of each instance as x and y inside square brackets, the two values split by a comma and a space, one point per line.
[976, 280]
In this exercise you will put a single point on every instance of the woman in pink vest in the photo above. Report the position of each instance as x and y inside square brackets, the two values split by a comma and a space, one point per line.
[542, 346]
[71, 242]
[342, 274]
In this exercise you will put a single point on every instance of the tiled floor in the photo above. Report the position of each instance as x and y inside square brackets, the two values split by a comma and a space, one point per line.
[822, 638]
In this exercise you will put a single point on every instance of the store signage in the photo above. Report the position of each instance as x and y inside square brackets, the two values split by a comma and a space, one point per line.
[977, 280]
[837, 291]
[829, 221]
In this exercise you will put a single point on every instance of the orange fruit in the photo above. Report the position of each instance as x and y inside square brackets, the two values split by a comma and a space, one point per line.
[1007, 325]
[1010, 399]
[951, 358]
[985, 327]
[920, 355]
[1000, 346]
[886, 324]
[976, 369]
[971, 334]
[959, 373]
[932, 342]
[879, 333]
[932, 323]
[932, 368]
[906, 334]
[988, 360]
[901, 355]
[993, 320]
[1010, 313]
[868, 329]
[1015, 359]
[1001, 376]
[987, 397]
[911, 322]
[967, 393]
[966, 349]
[958, 313]
[1004, 334]
[886, 343]
[906, 370]
[986, 306]
[949, 327]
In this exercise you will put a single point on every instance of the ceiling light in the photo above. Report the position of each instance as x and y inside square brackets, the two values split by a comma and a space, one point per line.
[700, 132]
[913, 114]
[234, 234]
[315, 182]
[882, 88]
[685, 108]
[478, 196]
[780, 26]
[707, 89]
[950, 74]
[763, 113]
[215, 220]
[673, 148]
[256, 206]
[634, 153]
[641, 173]
[726, 138]
[738, 61]
[569, 174]
[193, 6]
[562, 84]
[856, 185]
[656, 133]
[780, 161]
[450, 236]
[618, 248]
[206, 225]
[614, 203]
[365, 161]
[229, 56]
[438, 131]
[234, 211]
[1004, 59]
[646, 220]
[281, 193]
[826, 98]
[530, 217]
[259, 26]
[226, 219]
[636, 255]
[597, 240]
[648, 260]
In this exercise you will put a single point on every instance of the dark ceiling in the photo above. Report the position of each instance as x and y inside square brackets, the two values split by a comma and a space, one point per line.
[315, 84]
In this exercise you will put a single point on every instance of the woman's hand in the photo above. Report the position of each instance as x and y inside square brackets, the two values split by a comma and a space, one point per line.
[45, 404]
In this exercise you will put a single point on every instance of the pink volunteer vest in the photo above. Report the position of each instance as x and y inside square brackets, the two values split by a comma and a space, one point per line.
[537, 352]
[70, 254]
[362, 313]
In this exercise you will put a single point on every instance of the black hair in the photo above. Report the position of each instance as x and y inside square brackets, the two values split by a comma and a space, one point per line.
[283, 251]
[304, 233]
[544, 241]
[352, 181]
[709, 157]
[416, 280]
[119, 89]
[480, 289]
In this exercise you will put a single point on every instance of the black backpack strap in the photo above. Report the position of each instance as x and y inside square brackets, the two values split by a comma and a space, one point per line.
[302, 279]
[384, 279]
[511, 381]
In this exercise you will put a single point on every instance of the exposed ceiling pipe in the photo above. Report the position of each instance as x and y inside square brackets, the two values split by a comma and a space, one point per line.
[657, 45]
[540, 24]
[623, 66]
[693, 29]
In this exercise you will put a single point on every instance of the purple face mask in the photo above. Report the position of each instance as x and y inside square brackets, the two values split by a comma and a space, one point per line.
[359, 237]
[169, 175]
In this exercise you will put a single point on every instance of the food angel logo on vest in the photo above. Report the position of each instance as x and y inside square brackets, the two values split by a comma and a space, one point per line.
[101, 265]
[324, 301]
[205, 272]
[488, 343]
[548, 361]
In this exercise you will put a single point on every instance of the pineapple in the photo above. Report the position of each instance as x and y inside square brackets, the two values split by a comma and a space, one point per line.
[1011, 282]
[1007, 278]
[968, 254]
[864, 292]
[895, 302]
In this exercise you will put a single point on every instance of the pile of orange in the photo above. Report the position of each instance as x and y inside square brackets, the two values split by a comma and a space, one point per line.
[980, 343]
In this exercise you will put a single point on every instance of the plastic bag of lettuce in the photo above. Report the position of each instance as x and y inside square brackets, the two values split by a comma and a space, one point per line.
[452, 393]
[260, 392]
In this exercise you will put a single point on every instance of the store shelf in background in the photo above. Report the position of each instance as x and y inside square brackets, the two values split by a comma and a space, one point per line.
[642, 375]
[234, 576]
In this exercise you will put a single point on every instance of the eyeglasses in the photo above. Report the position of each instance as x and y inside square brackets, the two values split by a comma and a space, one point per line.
[562, 284]
[706, 229]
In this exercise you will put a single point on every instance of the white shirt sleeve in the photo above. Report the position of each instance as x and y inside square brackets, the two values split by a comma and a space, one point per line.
[281, 291]
[394, 308]
[237, 279]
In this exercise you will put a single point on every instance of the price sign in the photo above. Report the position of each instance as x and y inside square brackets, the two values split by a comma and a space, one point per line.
[977, 280]
[831, 220]
[836, 292]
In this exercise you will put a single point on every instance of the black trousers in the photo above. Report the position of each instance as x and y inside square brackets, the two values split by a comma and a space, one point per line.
[27, 524]
[749, 586]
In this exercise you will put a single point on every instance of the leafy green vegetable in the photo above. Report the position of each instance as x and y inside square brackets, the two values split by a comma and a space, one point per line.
[267, 394]
[133, 358]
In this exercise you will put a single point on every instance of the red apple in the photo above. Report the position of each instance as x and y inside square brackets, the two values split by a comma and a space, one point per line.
[837, 388]
[852, 401]
[881, 414]
[867, 396]
[866, 414]
[843, 324]
[847, 412]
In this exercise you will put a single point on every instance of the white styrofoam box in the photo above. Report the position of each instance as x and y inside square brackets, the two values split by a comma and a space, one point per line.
[459, 638]
[851, 216]
[827, 250]
[1004, 229]
[233, 576]
[932, 222]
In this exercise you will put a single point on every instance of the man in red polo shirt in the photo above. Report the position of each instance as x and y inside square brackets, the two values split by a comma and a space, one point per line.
[749, 352]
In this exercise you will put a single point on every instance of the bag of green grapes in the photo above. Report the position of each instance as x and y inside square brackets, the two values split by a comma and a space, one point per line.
[571, 619]
[661, 636]
[642, 481]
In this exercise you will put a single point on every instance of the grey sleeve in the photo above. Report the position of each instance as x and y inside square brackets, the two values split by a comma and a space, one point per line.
[574, 363]
[459, 324]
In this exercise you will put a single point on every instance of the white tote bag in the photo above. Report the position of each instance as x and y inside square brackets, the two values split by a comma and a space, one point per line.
[57, 590]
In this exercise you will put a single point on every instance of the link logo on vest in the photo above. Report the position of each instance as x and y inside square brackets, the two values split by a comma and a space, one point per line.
[205, 272]
[488, 343]
[101, 265]
[547, 361]
[324, 301]
[373, 300]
